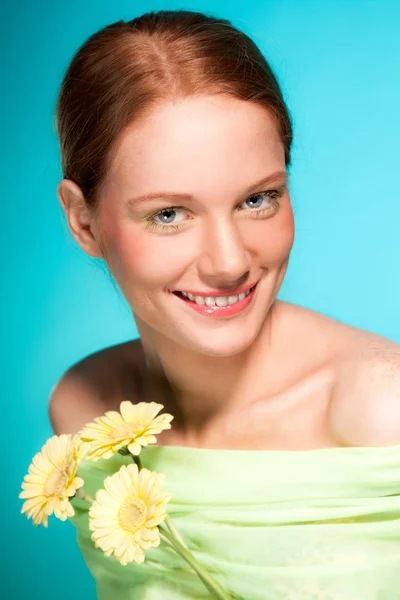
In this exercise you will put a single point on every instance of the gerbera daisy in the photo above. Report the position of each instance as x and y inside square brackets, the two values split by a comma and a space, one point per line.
[133, 427]
[125, 515]
[51, 479]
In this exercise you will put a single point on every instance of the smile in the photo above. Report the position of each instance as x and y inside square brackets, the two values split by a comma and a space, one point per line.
[217, 306]
[216, 300]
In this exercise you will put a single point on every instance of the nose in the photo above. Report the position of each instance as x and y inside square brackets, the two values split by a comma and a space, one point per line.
[225, 261]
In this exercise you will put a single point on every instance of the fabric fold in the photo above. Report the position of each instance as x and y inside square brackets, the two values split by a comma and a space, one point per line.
[269, 525]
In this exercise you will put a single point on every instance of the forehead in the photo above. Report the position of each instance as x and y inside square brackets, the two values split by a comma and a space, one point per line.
[196, 143]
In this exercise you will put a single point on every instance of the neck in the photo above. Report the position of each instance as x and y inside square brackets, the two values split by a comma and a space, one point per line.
[199, 389]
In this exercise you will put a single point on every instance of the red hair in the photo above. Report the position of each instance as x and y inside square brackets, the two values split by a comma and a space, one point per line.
[126, 68]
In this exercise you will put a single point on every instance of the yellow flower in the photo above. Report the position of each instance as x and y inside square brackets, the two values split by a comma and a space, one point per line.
[125, 515]
[133, 427]
[51, 479]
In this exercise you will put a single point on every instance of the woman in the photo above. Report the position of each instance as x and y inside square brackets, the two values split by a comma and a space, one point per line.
[175, 144]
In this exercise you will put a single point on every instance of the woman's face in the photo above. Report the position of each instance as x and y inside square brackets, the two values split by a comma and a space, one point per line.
[184, 210]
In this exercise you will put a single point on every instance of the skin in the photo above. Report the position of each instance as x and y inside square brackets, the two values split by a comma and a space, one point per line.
[273, 376]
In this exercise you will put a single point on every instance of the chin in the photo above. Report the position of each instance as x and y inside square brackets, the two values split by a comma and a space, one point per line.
[224, 350]
[221, 343]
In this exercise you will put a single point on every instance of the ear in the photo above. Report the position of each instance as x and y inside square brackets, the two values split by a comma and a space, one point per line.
[80, 218]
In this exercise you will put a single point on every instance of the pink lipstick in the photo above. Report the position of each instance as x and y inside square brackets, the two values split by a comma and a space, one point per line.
[218, 306]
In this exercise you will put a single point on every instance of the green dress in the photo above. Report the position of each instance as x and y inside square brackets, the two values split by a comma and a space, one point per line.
[268, 525]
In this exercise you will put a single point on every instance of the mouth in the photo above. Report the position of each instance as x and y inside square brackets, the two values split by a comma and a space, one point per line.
[218, 306]
[220, 301]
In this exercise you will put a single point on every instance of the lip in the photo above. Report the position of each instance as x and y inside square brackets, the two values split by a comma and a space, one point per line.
[220, 311]
[217, 294]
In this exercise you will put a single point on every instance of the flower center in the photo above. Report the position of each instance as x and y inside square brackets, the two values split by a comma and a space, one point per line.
[56, 481]
[123, 431]
[132, 515]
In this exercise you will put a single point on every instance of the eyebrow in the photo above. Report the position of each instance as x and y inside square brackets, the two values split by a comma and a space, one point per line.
[179, 196]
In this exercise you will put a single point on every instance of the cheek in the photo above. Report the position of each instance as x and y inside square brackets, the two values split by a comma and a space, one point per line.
[285, 237]
[137, 258]
[274, 241]
[133, 255]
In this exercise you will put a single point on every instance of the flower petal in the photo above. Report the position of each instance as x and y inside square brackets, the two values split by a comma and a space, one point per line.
[115, 528]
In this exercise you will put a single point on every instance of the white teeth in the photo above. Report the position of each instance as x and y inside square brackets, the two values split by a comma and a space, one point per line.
[222, 301]
[219, 301]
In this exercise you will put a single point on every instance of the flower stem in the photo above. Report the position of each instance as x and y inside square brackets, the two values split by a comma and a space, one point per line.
[173, 530]
[82, 495]
[136, 459]
[216, 590]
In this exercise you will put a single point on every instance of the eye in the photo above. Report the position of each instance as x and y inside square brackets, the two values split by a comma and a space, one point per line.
[261, 200]
[168, 216]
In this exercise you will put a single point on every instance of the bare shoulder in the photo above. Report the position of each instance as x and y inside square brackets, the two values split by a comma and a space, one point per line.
[95, 384]
[365, 399]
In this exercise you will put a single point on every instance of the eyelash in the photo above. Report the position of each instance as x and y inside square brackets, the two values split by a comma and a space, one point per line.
[274, 195]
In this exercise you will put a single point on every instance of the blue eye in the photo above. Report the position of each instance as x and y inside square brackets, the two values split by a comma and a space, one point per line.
[260, 200]
[166, 216]
[263, 204]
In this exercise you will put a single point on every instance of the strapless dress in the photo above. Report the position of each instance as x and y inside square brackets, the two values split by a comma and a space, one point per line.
[268, 525]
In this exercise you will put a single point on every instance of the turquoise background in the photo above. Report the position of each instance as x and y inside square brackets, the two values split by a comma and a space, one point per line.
[339, 66]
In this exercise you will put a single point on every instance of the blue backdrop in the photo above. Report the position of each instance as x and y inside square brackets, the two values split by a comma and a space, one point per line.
[339, 66]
